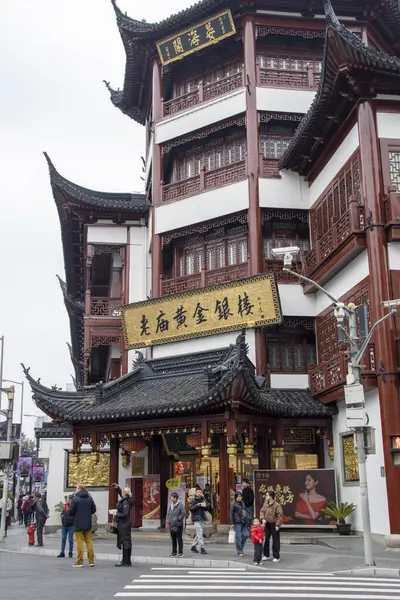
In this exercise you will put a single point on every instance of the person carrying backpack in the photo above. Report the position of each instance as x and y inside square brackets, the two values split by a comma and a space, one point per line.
[67, 531]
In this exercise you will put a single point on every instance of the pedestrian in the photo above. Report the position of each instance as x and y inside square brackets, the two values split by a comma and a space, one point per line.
[248, 502]
[271, 516]
[19, 509]
[257, 537]
[81, 509]
[67, 530]
[7, 512]
[32, 512]
[175, 518]
[124, 527]
[26, 510]
[198, 507]
[41, 514]
[239, 522]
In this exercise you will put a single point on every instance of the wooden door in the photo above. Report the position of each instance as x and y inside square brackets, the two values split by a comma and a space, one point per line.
[136, 485]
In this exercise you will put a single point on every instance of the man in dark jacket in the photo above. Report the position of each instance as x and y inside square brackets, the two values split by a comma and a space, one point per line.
[67, 529]
[81, 509]
[239, 520]
[175, 518]
[198, 507]
[41, 513]
[248, 503]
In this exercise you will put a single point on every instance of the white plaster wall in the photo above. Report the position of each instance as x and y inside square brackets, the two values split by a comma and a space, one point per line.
[125, 473]
[281, 100]
[54, 451]
[340, 157]
[202, 207]
[290, 191]
[201, 116]
[212, 342]
[388, 125]
[376, 483]
[138, 257]
[294, 302]
[394, 256]
[106, 235]
[289, 381]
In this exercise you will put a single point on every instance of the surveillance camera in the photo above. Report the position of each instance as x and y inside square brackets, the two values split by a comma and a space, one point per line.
[288, 254]
[391, 304]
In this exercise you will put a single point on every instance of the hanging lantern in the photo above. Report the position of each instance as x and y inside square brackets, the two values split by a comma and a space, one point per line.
[125, 460]
[134, 445]
[206, 450]
[193, 440]
[231, 449]
[331, 452]
[248, 450]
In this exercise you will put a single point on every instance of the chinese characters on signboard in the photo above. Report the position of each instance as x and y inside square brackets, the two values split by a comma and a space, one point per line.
[227, 307]
[195, 38]
[303, 494]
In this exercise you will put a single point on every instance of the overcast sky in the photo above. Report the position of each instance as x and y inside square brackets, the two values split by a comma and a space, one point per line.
[54, 57]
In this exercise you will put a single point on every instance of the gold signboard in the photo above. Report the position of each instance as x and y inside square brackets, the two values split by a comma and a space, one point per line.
[226, 307]
[211, 31]
[89, 469]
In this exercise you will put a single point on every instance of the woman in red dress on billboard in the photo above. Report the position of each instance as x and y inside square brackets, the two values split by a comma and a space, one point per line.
[310, 504]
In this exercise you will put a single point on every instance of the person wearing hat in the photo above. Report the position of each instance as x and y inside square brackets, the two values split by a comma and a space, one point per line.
[67, 529]
[175, 518]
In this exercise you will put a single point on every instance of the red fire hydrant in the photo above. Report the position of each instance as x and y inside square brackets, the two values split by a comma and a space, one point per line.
[31, 534]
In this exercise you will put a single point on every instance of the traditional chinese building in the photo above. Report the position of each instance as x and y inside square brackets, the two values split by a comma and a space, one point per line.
[266, 126]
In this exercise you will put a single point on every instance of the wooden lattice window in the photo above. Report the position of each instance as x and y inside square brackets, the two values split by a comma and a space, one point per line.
[281, 234]
[291, 346]
[274, 140]
[211, 76]
[334, 202]
[394, 169]
[299, 435]
[210, 157]
[350, 459]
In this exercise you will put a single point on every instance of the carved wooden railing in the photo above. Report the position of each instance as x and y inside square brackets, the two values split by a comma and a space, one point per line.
[391, 205]
[206, 180]
[203, 93]
[330, 374]
[307, 79]
[269, 167]
[205, 278]
[276, 267]
[105, 307]
[350, 223]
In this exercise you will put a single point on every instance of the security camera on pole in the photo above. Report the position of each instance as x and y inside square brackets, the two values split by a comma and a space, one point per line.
[6, 454]
[356, 416]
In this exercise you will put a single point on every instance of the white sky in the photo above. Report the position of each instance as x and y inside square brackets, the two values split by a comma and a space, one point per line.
[54, 56]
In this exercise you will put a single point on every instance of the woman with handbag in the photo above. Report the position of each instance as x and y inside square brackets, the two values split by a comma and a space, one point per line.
[122, 521]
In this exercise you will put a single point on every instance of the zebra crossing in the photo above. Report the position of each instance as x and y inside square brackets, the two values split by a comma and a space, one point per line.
[196, 582]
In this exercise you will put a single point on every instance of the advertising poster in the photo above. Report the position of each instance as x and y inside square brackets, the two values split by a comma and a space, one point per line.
[151, 497]
[302, 494]
[38, 474]
[181, 491]
[24, 466]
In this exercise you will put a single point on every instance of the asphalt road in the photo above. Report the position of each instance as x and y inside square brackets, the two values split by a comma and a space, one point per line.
[43, 578]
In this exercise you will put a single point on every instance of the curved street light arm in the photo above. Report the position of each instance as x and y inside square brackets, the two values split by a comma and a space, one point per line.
[363, 348]
[303, 278]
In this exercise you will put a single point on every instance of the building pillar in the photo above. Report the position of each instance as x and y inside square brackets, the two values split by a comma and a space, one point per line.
[253, 172]
[114, 472]
[379, 290]
[223, 482]
[157, 178]
[264, 459]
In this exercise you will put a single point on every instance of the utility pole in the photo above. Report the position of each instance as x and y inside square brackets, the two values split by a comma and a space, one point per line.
[9, 415]
[356, 416]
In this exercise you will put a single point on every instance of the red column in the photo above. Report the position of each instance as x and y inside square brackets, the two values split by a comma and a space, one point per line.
[253, 169]
[156, 249]
[379, 289]
[114, 464]
[223, 482]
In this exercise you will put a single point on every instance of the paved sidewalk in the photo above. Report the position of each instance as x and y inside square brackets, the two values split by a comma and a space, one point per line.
[333, 553]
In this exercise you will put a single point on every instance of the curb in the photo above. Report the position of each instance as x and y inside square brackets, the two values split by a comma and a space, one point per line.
[370, 572]
[154, 560]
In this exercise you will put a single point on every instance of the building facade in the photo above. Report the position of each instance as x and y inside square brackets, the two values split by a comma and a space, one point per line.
[265, 127]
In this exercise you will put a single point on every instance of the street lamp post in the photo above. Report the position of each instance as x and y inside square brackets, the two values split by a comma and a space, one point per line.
[17, 490]
[1, 363]
[354, 392]
[9, 415]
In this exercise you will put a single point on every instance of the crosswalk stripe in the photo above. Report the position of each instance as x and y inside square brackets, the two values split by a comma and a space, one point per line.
[290, 588]
[203, 570]
[262, 594]
[348, 582]
[273, 576]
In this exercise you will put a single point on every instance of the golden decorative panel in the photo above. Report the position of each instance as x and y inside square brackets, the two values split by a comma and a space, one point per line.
[194, 38]
[229, 306]
[350, 459]
[89, 469]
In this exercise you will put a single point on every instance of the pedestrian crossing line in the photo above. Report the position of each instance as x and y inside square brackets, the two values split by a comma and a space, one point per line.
[289, 588]
[272, 576]
[260, 594]
[203, 570]
[348, 582]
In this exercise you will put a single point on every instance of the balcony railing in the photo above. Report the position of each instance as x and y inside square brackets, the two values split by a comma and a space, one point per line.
[203, 93]
[205, 180]
[275, 266]
[307, 79]
[331, 374]
[349, 224]
[391, 205]
[269, 167]
[105, 307]
[204, 279]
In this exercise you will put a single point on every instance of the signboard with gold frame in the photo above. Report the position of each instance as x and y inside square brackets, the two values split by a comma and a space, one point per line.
[199, 36]
[236, 305]
[90, 469]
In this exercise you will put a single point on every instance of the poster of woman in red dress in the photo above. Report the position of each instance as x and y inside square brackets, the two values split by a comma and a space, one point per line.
[310, 503]
[151, 497]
